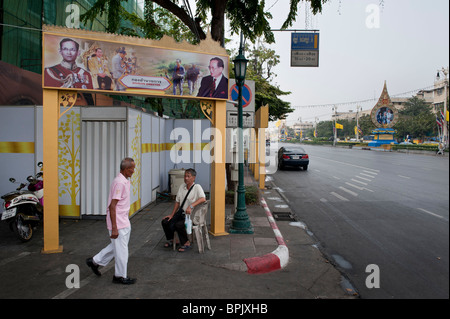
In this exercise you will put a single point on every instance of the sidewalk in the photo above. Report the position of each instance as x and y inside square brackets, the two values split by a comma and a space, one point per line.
[220, 273]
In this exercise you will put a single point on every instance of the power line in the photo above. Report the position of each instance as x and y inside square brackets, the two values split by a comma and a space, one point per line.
[273, 5]
[360, 101]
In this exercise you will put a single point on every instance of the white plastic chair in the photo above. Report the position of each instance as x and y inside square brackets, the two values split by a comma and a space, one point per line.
[199, 228]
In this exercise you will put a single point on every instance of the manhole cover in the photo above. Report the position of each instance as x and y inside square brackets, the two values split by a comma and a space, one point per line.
[284, 217]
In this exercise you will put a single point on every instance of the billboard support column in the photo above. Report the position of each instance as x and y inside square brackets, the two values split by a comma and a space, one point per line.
[218, 173]
[50, 157]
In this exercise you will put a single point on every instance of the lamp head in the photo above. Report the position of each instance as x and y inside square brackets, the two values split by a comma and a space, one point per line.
[240, 67]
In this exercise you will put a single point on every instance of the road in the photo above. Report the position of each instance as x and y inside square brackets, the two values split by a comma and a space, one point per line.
[385, 209]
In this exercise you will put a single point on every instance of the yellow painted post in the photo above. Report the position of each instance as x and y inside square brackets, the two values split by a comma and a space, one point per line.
[262, 157]
[255, 150]
[50, 157]
[262, 122]
[218, 170]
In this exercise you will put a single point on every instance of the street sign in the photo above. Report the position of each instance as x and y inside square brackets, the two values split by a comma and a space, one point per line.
[305, 50]
[248, 95]
[233, 119]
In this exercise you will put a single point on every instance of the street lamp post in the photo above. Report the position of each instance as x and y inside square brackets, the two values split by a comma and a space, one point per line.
[241, 222]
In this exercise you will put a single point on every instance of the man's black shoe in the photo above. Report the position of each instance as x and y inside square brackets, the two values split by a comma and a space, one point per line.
[123, 281]
[94, 267]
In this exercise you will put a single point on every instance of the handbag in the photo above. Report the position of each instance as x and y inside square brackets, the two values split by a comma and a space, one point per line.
[180, 210]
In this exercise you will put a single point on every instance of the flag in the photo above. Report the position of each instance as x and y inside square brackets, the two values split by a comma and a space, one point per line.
[438, 121]
[315, 133]
[447, 116]
[359, 130]
[339, 126]
[442, 118]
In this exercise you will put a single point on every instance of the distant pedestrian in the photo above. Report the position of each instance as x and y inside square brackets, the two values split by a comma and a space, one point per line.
[119, 226]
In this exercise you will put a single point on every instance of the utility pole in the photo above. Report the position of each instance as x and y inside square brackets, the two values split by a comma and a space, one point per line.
[334, 127]
[357, 121]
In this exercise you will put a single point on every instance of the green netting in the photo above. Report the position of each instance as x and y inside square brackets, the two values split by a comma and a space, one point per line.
[21, 43]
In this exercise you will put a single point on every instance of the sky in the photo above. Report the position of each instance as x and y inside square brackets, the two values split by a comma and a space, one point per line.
[357, 54]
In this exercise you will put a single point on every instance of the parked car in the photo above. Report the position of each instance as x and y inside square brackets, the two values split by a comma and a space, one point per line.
[294, 157]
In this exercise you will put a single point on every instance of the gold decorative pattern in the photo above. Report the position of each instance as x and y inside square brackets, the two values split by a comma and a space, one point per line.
[67, 100]
[208, 109]
[136, 149]
[69, 161]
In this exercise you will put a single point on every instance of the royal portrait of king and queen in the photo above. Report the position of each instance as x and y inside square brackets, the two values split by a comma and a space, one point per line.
[83, 64]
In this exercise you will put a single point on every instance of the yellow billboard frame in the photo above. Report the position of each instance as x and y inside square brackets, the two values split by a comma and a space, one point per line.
[56, 98]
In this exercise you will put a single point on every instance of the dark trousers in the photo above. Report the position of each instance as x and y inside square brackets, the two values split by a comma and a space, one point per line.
[172, 226]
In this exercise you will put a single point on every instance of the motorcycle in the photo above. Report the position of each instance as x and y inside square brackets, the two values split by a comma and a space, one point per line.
[24, 209]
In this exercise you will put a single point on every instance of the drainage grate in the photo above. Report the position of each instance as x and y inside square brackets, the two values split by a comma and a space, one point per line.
[284, 217]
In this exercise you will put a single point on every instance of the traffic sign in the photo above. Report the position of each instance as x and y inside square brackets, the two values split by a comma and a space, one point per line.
[305, 50]
[248, 95]
[233, 119]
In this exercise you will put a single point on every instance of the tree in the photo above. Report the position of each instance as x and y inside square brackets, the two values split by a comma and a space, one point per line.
[248, 16]
[416, 119]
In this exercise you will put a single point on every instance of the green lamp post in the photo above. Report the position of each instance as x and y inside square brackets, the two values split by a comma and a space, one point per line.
[241, 222]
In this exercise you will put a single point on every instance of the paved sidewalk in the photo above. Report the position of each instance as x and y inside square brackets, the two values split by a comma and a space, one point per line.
[219, 273]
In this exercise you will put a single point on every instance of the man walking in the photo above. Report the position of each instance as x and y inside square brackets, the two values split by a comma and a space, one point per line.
[118, 225]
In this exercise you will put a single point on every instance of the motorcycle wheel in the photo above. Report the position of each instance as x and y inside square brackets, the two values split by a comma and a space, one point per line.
[22, 229]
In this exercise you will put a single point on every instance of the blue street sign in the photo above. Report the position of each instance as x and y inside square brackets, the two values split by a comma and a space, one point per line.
[246, 95]
[305, 41]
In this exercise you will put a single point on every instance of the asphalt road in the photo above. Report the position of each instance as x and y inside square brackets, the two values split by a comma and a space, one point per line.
[381, 217]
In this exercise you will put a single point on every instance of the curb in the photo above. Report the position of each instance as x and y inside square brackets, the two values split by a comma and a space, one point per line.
[276, 260]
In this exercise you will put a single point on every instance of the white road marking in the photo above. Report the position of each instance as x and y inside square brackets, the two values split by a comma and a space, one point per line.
[362, 183]
[366, 179]
[355, 186]
[339, 196]
[432, 214]
[348, 191]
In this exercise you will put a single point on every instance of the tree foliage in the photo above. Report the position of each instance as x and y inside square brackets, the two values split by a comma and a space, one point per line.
[248, 16]
[416, 119]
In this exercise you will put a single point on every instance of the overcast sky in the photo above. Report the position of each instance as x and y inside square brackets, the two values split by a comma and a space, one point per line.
[406, 49]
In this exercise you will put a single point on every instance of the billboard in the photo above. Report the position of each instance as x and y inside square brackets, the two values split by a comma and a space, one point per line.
[72, 62]
[305, 50]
